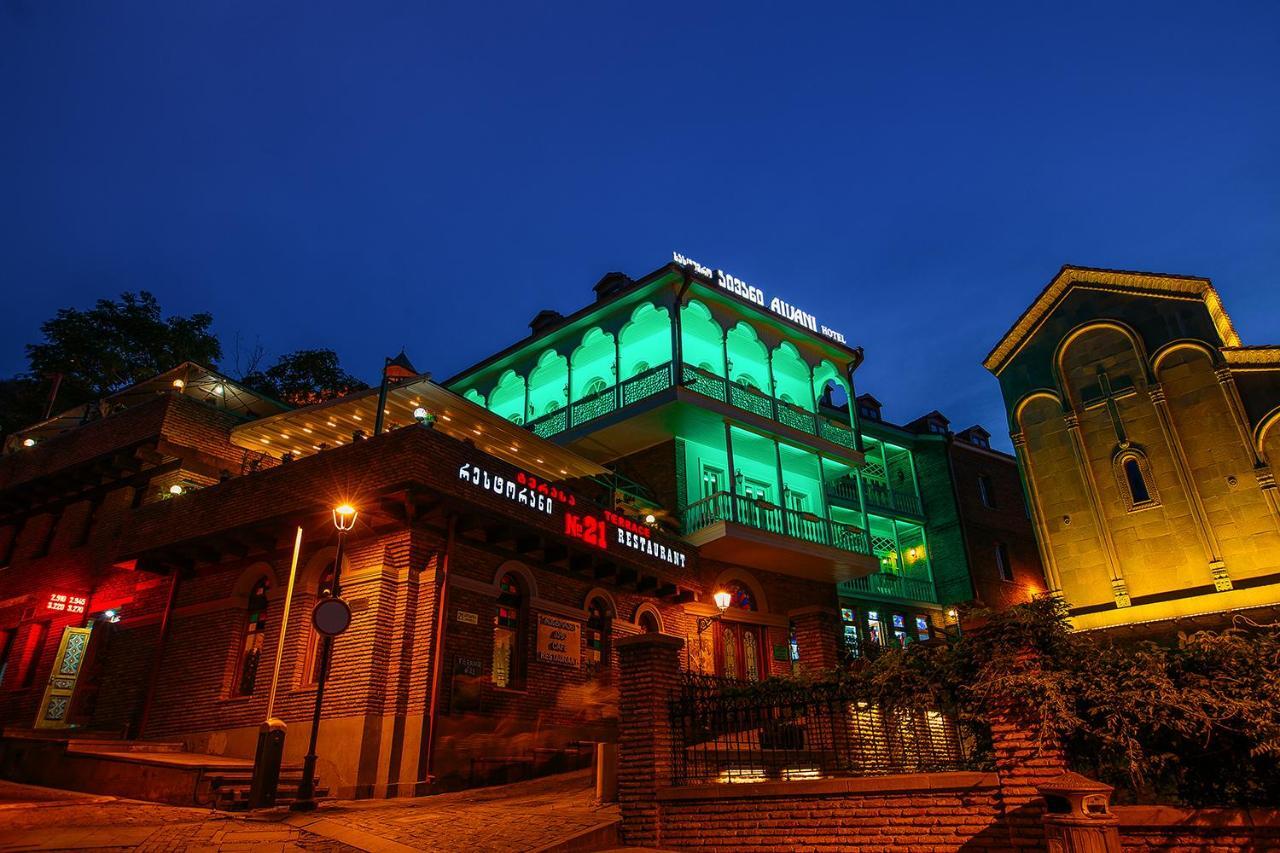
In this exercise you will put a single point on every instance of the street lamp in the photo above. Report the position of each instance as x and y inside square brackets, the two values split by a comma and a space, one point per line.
[722, 600]
[330, 617]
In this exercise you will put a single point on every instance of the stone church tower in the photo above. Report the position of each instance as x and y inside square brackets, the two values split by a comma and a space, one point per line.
[1146, 434]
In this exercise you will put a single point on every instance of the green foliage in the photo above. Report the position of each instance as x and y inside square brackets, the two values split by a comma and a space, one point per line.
[115, 344]
[1194, 719]
[305, 377]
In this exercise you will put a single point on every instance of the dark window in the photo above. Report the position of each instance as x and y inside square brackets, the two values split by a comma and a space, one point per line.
[7, 640]
[1137, 483]
[39, 635]
[251, 643]
[47, 542]
[1003, 565]
[986, 491]
[649, 623]
[324, 589]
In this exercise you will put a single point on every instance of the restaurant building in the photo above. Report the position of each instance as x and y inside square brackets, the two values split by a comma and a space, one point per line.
[682, 436]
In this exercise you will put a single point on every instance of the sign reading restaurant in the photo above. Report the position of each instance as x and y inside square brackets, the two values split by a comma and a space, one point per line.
[601, 529]
[754, 294]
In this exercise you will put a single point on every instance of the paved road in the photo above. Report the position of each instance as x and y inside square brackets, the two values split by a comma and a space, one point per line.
[520, 817]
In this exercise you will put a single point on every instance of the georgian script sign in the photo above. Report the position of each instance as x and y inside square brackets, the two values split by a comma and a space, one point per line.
[754, 294]
[559, 640]
[595, 527]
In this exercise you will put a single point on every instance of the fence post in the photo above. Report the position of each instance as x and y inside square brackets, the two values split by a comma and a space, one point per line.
[1025, 759]
[649, 670]
[817, 638]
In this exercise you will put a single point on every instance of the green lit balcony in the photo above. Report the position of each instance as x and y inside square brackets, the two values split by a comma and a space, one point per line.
[881, 497]
[890, 585]
[759, 533]
[657, 380]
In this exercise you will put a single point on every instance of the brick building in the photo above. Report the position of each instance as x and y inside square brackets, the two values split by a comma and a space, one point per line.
[676, 438]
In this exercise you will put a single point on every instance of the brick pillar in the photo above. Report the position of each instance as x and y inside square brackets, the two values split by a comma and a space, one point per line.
[1025, 760]
[818, 638]
[649, 675]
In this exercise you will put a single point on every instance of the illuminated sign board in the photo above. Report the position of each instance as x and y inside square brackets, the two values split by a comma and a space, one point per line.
[754, 294]
[559, 640]
[63, 603]
[598, 528]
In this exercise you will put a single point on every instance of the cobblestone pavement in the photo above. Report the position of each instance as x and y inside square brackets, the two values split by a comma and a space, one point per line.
[520, 817]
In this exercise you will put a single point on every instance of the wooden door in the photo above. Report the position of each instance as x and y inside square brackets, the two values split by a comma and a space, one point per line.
[741, 653]
[56, 704]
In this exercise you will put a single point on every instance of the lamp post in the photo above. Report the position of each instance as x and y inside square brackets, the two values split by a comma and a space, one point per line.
[722, 599]
[344, 518]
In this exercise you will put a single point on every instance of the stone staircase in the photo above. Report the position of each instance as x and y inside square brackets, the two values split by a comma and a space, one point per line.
[228, 789]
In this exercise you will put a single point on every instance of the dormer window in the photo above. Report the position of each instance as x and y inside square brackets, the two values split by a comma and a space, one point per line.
[937, 428]
[868, 413]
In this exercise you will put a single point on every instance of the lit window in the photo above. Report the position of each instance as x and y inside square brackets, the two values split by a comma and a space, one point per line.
[599, 634]
[595, 386]
[251, 643]
[922, 627]
[508, 634]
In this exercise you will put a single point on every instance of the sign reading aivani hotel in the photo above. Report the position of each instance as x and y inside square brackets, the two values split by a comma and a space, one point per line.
[754, 294]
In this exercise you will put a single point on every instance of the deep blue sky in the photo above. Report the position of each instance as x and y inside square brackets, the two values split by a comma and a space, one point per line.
[369, 175]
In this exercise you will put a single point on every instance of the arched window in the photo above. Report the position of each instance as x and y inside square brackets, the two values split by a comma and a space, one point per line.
[649, 623]
[311, 665]
[740, 596]
[508, 633]
[1137, 484]
[747, 381]
[599, 636]
[255, 628]
[595, 386]
[1133, 478]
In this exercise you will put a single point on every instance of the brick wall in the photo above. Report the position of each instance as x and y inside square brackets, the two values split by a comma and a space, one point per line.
[1165, 829]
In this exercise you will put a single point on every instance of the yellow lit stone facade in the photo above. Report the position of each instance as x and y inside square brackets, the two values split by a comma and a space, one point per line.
[1146, 434]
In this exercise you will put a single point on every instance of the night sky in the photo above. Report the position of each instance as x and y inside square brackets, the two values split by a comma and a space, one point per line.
[370, 175]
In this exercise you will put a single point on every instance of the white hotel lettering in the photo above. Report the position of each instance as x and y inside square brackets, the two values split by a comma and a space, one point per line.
[756, 295]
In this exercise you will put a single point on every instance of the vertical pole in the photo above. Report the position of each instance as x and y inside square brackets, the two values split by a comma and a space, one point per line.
[426, 756]
[153, 676]
[284, 622]
[306, 800]
[732, 484]
[782, 495]
[382, 400]
[677, 344]
[617, 370]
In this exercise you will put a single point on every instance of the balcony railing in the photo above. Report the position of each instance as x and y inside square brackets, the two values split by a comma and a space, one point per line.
[879, 495]
[659, 379]
[762, 515]
[646, 384]
[845, 491]
[751, 400]
[892, 586]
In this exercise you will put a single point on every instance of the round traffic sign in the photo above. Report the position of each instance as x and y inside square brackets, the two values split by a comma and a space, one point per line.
[331, 616]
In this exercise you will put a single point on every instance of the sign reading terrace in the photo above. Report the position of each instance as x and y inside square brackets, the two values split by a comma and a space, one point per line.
[754, 294]
[600, 529]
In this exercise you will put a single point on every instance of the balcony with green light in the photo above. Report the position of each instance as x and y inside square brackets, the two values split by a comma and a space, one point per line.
[633, 371]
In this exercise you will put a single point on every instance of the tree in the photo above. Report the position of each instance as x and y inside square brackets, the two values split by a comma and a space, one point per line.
[305, 377]
[116, 344]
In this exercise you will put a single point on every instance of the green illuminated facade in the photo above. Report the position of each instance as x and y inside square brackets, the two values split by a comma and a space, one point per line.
[719, 415]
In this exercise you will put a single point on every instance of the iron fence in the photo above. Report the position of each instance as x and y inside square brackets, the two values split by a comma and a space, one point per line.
[727, 731]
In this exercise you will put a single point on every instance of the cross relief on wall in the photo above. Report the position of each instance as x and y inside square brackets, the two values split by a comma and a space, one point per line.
[1105, 394]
